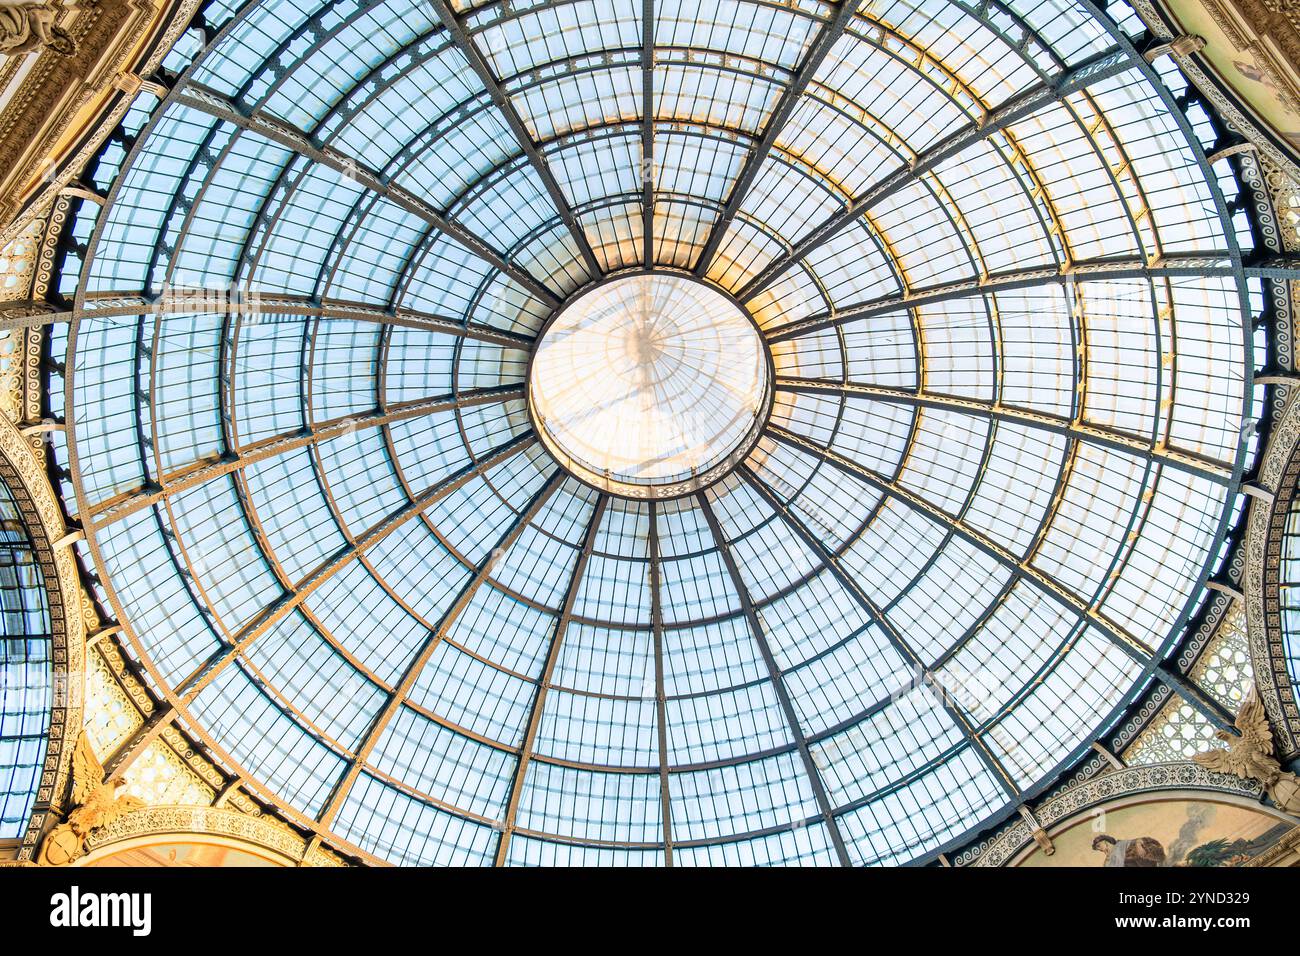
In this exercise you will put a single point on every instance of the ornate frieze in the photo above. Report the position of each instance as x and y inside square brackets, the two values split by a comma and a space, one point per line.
[56, 112]
[21, 471]
[181, 822]
[1237, 116]
[1004, 846]
[1279, 470]
[28, 26]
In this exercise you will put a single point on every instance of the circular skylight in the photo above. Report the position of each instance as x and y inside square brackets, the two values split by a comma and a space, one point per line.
[1001, 291]
[650, 385]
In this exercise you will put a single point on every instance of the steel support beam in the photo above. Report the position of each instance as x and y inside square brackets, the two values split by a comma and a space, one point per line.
[1286, 268]
[925, 676]
[164, 716]
[1219, 716]
[465, 44]
[1211, 264]
[1227, 588]
[256, 303]
[778, 682]
[199, 301]
[1022, 568]
[829, 36]
[647, 133]
[431, 643]
[1074, 428]
[1095, 69]
[214, 104]
[270, 616]
[661, 699]
[544, 680]
[120, 506]
[30, 314]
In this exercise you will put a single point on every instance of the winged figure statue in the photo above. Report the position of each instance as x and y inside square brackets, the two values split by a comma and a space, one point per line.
[1250, 755]
[95, 804]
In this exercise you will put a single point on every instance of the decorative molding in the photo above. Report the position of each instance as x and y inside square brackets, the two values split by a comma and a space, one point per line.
[1249, 755]
[1266, 31]
[1285, 852]
[27, 26]
[62, 109]
[93, 803]
[1217, 608]
[184, 823]
[1279, 468]
[1129, 732]
[1228, 107]
[24, 474]
[1007, 844]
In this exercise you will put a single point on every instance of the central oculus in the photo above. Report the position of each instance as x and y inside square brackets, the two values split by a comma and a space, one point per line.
[650, 386]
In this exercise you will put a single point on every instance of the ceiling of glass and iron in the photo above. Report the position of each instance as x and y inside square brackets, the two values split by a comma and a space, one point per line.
[26, 668]
[1003, 295]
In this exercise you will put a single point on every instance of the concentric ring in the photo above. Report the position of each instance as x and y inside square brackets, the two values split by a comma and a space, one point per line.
[1011, 347]
[650, 385]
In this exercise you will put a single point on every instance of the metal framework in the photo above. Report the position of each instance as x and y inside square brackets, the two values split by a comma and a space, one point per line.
[544, 680]
[502, 102]
[828, 37]
[778, 683]
[1100, 67]
[989, 416]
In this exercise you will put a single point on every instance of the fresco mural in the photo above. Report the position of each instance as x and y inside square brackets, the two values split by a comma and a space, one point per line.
[1257, 70]
[183, 854]
[1164, 833]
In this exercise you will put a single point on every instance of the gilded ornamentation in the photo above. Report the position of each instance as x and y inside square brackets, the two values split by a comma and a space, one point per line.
[180, 821]
[1253, 28]
[41, 110]
[205, 774]
[1279, 465]
[1227, 106]
[1005, 845]
[1286, 852]
[25, 476]
[1250, 756]
[1279, 224]
[158, 776]
[1178, 732]
[95, 804]
[27, 26]
[18, 262]
[111, 717]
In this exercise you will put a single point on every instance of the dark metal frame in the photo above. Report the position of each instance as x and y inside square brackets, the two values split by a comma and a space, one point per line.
[246, 116]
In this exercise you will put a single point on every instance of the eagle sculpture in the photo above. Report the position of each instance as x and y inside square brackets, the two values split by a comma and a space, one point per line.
[95, 804]
[1250, 752]
[1250, 755]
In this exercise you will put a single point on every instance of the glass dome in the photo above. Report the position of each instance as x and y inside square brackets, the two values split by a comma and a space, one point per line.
[1001, 292]
[649, 386]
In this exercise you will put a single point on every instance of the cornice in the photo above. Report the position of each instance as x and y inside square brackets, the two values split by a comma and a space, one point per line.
[1236, 114]
[153, 824]
[1279, 472]
[1006, 845]
[64, 108]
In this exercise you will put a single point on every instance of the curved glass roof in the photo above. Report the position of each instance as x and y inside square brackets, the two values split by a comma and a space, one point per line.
[1004, 299]
[26, 669]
